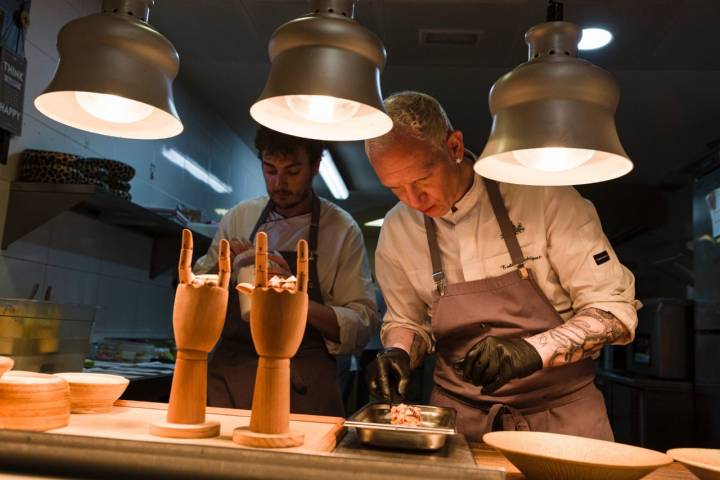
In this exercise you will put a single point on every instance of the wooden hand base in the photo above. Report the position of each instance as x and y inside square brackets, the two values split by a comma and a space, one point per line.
[244, 436]
[186, 410]
[270, 418]
[185, 430]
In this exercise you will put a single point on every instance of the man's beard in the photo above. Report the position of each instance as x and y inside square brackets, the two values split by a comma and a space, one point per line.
[292, 200]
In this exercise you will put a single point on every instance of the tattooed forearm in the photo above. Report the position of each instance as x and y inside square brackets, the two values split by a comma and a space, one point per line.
[580, 337]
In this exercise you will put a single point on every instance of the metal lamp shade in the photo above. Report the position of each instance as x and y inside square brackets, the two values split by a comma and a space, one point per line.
[328, 60]
[118, 55]
[554, 108]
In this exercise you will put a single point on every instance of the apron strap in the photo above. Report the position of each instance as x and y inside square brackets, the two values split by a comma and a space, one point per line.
[261, 219]
[438, 275]
[505, 417]
[506, 227]
[313, 243]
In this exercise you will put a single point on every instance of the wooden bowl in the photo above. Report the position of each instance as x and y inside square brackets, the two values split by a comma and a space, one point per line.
[33, 401]
[549, 455]
[93, 392]
[703, 462]
[6, 363]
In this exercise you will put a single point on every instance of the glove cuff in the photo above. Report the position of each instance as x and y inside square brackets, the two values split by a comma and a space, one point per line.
[533, 361]
[394, 351]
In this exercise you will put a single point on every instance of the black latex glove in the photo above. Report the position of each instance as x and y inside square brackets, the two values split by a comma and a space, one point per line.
[388, 375]
[494, 361]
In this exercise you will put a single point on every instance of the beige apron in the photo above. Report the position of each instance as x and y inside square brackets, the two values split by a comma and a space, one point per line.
[558, 399]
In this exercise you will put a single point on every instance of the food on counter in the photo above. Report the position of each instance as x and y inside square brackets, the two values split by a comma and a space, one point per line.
[280, 282]
[133, 350]
[406, 415]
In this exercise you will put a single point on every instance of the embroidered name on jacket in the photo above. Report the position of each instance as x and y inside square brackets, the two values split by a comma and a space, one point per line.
[526, 259]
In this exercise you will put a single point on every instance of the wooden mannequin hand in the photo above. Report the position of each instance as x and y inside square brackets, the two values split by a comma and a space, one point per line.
[200, 301]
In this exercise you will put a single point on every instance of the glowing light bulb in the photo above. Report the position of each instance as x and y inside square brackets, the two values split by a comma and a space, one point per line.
[593, 38]
[321, 108]
[113, 108]
[553, 159]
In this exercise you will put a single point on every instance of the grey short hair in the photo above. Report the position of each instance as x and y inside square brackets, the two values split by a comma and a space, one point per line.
[414, 114]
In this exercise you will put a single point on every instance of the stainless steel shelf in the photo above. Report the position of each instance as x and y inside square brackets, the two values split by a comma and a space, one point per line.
[31, 205]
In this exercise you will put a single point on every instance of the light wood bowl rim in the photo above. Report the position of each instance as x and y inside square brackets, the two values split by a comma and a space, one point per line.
[39, 378]
[678, 455]
[83, 378]
[614, 466]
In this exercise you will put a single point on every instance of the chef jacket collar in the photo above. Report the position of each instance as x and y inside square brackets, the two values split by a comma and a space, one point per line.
[466, 203]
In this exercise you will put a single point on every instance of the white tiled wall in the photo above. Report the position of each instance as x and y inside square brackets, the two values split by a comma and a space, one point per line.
[85, 261]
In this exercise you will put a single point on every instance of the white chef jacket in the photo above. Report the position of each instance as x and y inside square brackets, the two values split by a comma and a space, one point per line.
[342, 262]
[560, 235]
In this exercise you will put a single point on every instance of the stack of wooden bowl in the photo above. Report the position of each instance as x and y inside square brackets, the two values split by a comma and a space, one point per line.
[93, 392]
[39, 402]
[33, 401]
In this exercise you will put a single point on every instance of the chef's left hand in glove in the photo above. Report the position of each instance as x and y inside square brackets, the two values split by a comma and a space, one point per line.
[494, 361]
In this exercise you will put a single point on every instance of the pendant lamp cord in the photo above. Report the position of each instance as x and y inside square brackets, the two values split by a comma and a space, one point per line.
[554, 11]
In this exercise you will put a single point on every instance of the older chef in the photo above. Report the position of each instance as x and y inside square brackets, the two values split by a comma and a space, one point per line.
[516, 288]
[342, 312]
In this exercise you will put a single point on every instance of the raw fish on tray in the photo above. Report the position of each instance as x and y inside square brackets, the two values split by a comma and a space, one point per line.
[406, 415]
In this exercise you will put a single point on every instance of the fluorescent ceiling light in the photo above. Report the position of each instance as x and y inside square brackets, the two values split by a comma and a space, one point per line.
[194, 169]
[332, 178]
[593, 38]
[375, 223]
[221, 211]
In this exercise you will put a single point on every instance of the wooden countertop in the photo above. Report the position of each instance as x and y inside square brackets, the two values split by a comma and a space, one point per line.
[488, 456]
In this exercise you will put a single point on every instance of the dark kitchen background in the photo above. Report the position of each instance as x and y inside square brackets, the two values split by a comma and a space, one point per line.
[663, 218]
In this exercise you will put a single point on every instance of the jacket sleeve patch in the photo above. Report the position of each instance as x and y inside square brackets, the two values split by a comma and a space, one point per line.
[601, 257]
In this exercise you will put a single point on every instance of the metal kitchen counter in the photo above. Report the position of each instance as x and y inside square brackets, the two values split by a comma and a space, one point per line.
[102, 456]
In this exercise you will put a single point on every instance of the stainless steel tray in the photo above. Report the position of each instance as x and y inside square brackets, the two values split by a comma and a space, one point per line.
[373, 426]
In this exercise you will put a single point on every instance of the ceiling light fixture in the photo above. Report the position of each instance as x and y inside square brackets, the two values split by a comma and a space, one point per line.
[594, 38]
[553, 116]
[375, 223]
[115, 75]
[324, 82]
[332, 178]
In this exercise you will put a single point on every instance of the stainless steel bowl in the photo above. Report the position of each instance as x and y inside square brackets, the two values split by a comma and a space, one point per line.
[373, 426]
